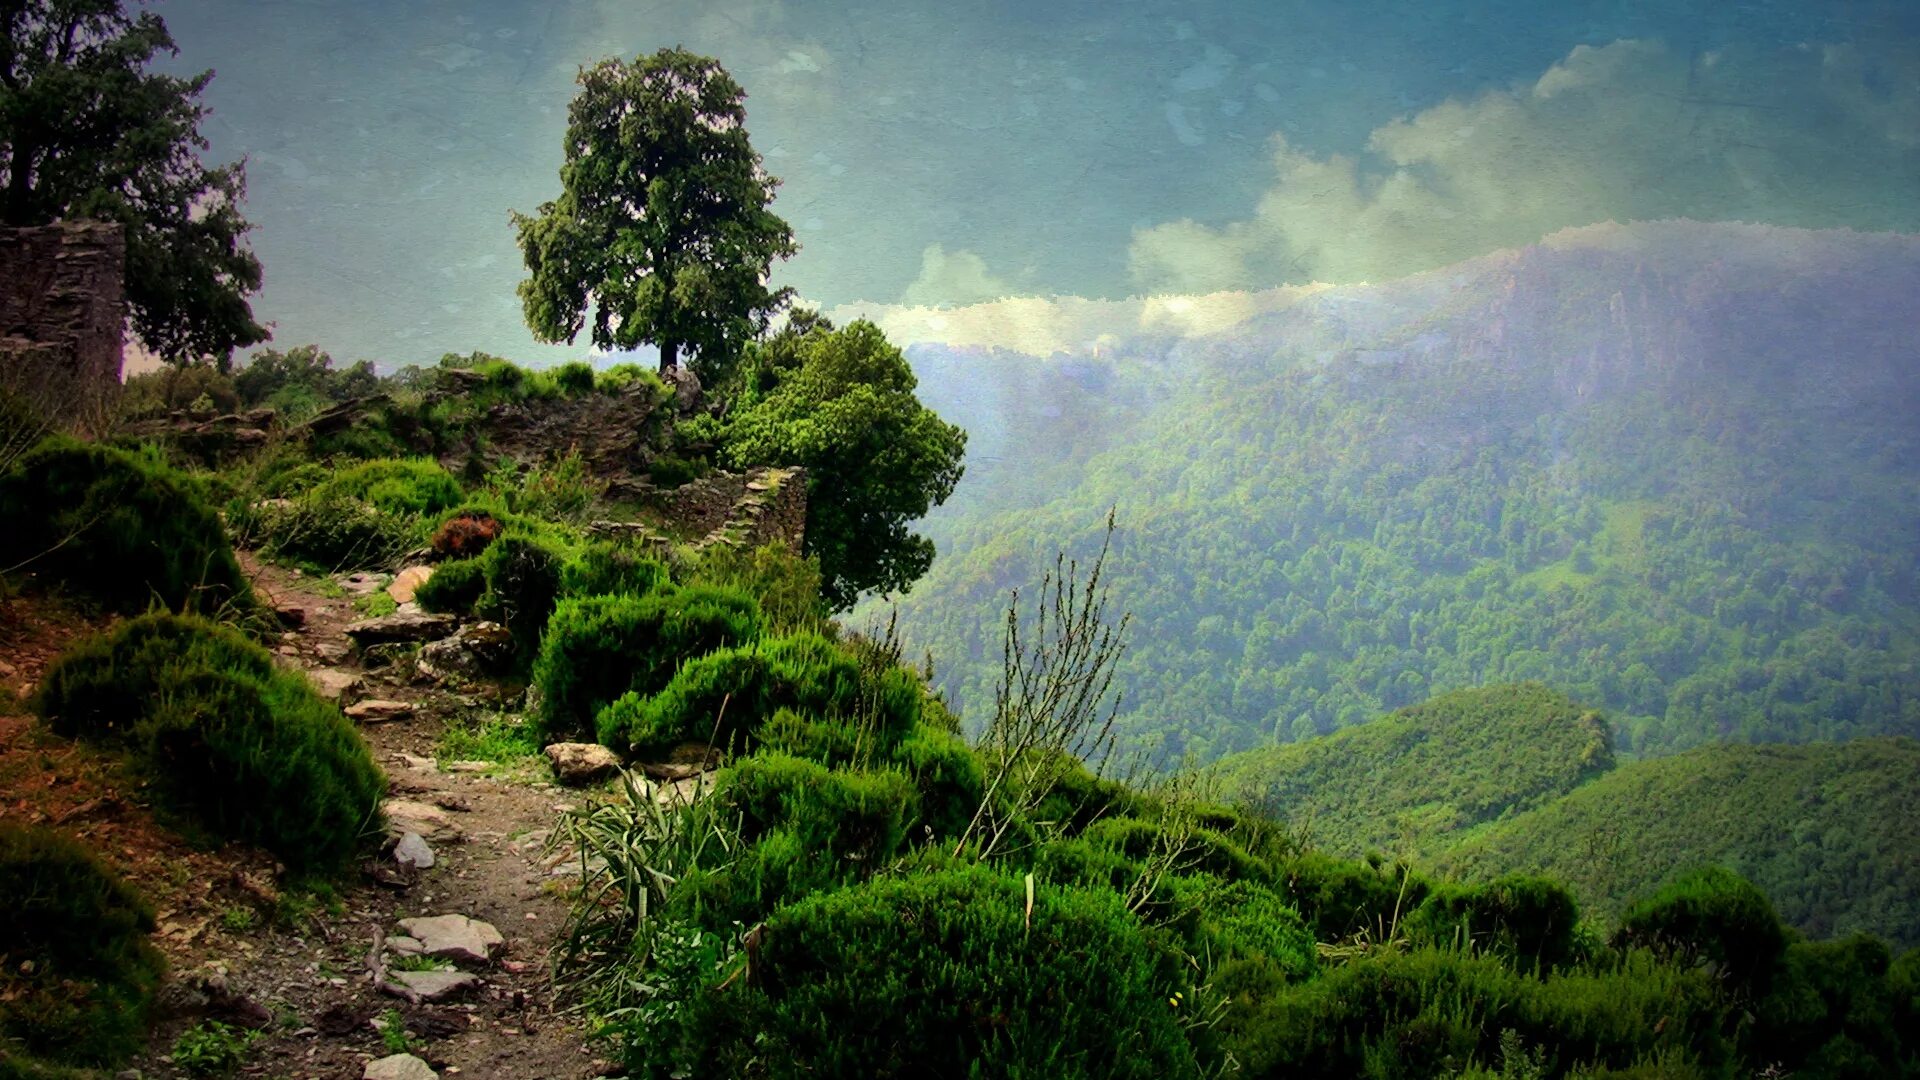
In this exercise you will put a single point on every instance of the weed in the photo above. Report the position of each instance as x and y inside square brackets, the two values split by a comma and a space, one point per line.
[238, 920]
[393, 1032]
[212, 1048]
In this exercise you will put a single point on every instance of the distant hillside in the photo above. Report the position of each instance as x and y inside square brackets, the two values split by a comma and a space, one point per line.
[1830, 832]
[1408, 781]
[1670, 468]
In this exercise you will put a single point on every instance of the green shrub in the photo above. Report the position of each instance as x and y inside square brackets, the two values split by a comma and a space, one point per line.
[119, 527]
[1712, 916]
[1834, 1010]
[211, 1048]
[79, 973]
[453, 587]
[1527, 921]
[331, 530]
[948, 775]
[1233, 920]
[574, 378]
[397, 485]
[604, 568]
[786, 585]
[933, 974]
[245, 749]
[523, 582]
[805, 673]
[1340, 897]
[597, 648]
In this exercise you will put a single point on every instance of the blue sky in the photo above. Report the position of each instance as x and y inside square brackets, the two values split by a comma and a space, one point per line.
[951, 152]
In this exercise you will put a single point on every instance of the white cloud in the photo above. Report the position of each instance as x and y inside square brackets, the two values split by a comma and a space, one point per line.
[797, 61]
[958, 277]
[1629, 131]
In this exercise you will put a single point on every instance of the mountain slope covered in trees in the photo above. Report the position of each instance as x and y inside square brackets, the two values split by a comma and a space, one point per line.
[1668, 469]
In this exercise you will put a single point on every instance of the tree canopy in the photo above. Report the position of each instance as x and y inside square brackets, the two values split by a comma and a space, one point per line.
[662, 225]
[87, 132]
[841, 403]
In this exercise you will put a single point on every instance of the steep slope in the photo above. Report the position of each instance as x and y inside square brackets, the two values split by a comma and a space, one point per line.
[1828, 831]
[1410, 780]
[1667, 468]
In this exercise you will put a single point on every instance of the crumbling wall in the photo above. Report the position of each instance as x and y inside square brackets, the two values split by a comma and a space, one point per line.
[62, 319]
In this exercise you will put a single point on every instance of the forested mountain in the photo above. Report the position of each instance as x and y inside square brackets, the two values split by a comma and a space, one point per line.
[1668, 469]
[1827, 830]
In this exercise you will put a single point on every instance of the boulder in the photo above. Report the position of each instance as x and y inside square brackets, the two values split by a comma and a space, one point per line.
[399, 1067]
[412, 850]
[453, 937]
[409, 816]
[575, 763]
[435, 985]
[395, 628]
[334, 684]
[484, 648]
[407, 581]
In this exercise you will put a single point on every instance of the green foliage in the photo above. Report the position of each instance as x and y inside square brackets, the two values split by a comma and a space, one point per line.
[1414, 778]
[79, 974]
[1529, 922]
[662, 221]
[119, 527]
[841, 403]
[935, 970]
[360, 515]
[1792, 819]
[562, 491]
[575, 377]
[454, 586]
[523, 583]
[1713, 917]
[597, 648]
[248, 750]
[604, 568]
[301, 381]
[786, 584]
[91, 132]
[211, 1048]
[397, 486]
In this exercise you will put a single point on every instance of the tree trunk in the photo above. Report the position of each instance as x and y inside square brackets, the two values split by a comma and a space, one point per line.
[669, 355]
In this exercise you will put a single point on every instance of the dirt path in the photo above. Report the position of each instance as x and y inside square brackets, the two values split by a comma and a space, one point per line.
[321, 979]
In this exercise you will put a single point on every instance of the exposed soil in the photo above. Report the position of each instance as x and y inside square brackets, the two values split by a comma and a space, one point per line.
[308, 974]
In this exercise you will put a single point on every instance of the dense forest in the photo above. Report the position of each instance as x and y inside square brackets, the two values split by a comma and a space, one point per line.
[1631, 464]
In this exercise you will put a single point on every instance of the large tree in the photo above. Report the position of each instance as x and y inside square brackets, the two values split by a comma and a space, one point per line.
[841, 403]
[86, 131]
[662, 225]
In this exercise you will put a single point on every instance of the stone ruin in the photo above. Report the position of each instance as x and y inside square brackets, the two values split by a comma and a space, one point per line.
[62, 321]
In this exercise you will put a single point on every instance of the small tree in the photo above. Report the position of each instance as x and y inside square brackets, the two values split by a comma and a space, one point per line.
[662, 224]
[87, 132]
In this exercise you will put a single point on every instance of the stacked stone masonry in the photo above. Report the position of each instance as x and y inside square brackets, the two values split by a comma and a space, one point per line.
[62, 320]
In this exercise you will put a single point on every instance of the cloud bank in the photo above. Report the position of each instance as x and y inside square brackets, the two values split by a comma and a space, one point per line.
[1814, 136]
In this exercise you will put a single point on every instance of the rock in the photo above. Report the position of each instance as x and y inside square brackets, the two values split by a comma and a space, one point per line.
[412, 850]
[469, 766]
[360, 584]
[331, 652]
[435, 985]
[453, 937]
[408, 580]
[409, 608]
[378, 710]
[407, 816]
[575, 763]
[404, 945]
[334, 684]
[291, 616]
[417, 763]
[399, 1067]
[478, 650]
[388, 629]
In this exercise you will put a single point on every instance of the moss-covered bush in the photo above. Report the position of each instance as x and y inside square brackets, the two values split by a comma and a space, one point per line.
[1527, 921]
[367, 514]
[78, 972]
[1710, 916]
[453, 587]
[597, 648]
[604, 568]
[523, 582]
[936, 970]
[244, 749]
[397, 485]
[122, 528]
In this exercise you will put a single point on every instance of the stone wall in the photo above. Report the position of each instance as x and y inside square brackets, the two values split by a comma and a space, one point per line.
[62, 320]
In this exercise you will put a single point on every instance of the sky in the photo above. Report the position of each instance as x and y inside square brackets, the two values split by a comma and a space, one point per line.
[948, 153]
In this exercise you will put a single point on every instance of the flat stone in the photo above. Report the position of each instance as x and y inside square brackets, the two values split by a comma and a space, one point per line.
[435, 985]
[388, 629]
[404, 945]
[453, 937]
[362, 584]
[378, 710]
[334, 684]
[408, 816]
[399, 1067]
[407, 581]
[575, 763]
[291, 616]
[469, 766]
[412, 850]
[331, 652]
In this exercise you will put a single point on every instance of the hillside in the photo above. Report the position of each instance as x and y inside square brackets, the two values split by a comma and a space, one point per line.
[1828, 831]
[1667, 468]
[1409, 780]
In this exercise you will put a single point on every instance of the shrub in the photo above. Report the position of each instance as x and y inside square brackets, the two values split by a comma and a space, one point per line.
[1243, 919]
[1711, 916]
[604, 568]
[1527, 921]
[466, 534]
[523, 581]
[597, 648]
[922, 974]
[1340, 898]
[397, 486]
[948, 775]
[453, 587]
[786, 585]
[245, 749]
[79, 973]
[331, 530]
[119, 527]
[805, 673]
[574, 378]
